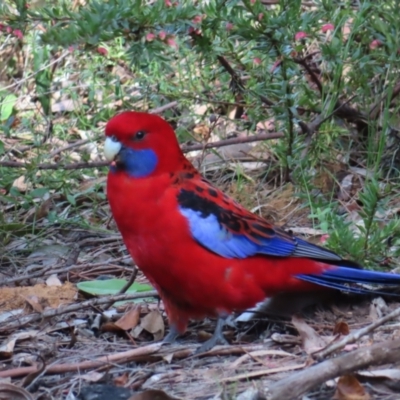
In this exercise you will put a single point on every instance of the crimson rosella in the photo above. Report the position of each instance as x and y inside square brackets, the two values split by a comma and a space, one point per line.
[204, 253]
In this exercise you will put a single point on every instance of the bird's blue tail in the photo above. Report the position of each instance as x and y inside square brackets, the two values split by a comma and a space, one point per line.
[345, 278]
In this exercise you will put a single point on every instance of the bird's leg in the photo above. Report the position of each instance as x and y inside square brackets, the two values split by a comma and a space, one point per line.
[216, 338]
[172, 335]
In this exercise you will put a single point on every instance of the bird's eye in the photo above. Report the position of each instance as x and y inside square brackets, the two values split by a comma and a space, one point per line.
[139, 135]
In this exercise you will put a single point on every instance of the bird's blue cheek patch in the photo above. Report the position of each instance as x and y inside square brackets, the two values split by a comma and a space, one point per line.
[136, 163]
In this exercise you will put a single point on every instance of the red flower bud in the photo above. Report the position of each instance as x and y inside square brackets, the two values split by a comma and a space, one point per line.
[102, 51]
[327, 27]
[375, 44]
[150, 37]
[300, 35]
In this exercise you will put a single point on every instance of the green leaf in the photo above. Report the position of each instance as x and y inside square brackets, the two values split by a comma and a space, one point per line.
[71, 199]
[114, 286]
[7, 107]
[39, 192]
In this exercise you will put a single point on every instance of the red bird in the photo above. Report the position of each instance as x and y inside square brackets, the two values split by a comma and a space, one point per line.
[204, 253]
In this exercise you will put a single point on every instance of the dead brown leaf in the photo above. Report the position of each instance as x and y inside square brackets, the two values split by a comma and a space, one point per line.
[154, 323]
[121, 380]
[20, 184]
[130, 319]
[152, 395]
[9, 391]
[34, 302]
[312, 342]
[53, 280]
[349, 388]
[341, 328]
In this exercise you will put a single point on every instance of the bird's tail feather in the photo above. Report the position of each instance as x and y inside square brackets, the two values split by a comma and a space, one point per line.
[343, 278]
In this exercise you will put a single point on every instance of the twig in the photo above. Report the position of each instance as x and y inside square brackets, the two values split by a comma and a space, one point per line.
[21, 81]
[227, 142]
[27, 319]
[69, 147]
[300, 383]
[357, 334]
[124, 356]
[61, 270]
[185, 149]
[142, 353]
[290, 115]
[163, 108]
[314, 77]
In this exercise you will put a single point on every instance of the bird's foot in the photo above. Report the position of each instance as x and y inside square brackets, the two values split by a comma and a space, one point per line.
[216, 338]
[172, 335]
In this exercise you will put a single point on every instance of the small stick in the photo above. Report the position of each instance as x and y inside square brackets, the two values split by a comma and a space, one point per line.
[357, 334]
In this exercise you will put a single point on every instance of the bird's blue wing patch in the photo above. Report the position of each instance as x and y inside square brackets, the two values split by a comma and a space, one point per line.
[226, 228]
[209, 232]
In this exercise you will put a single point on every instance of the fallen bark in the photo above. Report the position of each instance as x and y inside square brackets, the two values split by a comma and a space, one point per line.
[300, 383]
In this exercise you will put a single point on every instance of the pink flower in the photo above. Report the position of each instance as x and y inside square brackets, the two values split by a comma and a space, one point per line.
[229, 26]
[171, 42]
[162, 35]
[324, 238]
[150, 37]
[18, 33]
[168, 3]
[102, 51]
[300, 35]
[8, 29]
[375, 44]
[197, 19]
[260, 16]
[327, 27]
[194, 31]
[257, 60]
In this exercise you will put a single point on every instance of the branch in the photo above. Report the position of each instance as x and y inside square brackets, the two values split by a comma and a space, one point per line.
[299, 383]
[357, 334]
[185, 149]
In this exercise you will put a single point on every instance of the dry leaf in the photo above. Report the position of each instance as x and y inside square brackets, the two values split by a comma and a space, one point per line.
[52, 280]
[154, 323]
[345, 188]
[348, 388]
[388, 373]
[92, 376]
[378, 308]
[121, 380]
[34, 302]
[20, 184]
[9, 391]
[7, 347]
[152, 395]
[312, 342]
[130, 319]
[341, 328]
[202, 131]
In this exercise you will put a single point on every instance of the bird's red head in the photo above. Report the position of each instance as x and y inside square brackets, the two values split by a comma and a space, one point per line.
[141, 145]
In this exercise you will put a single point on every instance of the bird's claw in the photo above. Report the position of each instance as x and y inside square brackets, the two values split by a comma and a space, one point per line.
[172, 336]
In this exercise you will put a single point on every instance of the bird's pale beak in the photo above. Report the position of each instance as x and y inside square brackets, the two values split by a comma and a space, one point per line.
[111, 148]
